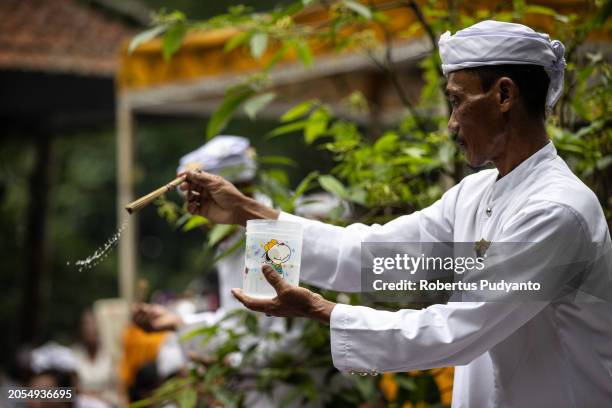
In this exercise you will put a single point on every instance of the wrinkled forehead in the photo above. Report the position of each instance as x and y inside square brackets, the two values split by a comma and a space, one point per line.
[464, 81]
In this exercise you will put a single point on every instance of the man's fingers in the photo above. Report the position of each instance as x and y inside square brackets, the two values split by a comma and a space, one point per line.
[273, 277]
[194, 202]
[201, 177]
[193, 208]
[257, 305]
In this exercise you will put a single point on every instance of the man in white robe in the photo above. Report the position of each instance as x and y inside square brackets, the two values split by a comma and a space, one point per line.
[553, 352]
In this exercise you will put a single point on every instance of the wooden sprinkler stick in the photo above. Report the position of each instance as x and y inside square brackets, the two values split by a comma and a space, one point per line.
[149, 198]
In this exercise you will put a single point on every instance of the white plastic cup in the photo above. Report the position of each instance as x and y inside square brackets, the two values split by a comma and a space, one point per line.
[276, 243]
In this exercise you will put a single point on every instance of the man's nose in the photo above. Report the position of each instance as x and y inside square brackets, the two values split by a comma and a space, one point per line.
[453, 126]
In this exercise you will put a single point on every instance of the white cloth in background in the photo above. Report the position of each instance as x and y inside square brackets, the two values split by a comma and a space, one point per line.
[322, 205]
[173, 354]
[87, 401]
[509, 354]
[96, 376]
[228, 156]
[52, 356]
[495, 43]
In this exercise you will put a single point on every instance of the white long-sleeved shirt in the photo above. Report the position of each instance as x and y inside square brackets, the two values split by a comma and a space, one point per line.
[508, 354]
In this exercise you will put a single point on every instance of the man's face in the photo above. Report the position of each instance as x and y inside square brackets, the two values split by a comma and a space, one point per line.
[476, 122]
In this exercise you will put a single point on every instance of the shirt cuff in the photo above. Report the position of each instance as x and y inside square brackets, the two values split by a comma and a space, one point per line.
[343, 320]
[339, 336]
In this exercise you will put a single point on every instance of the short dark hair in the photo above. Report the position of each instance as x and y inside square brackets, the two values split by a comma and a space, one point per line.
[532, 82]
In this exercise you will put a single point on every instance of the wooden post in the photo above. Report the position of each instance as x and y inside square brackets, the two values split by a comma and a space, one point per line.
[125, 194]
[36, 237]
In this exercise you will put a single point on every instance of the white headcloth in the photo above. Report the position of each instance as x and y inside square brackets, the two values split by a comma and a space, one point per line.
[497, 43]
[229, 156]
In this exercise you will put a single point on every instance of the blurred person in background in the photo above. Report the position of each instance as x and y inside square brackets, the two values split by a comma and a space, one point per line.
[146, 381]
[52, 366]
[139, 350]
[94, 365]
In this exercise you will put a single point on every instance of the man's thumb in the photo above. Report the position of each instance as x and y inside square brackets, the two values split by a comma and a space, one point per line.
[273, 277]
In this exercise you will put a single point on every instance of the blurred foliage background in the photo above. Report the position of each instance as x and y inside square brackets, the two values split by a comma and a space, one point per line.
[82, 209]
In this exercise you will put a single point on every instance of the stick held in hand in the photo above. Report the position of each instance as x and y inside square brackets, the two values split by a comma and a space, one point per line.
[145, 200]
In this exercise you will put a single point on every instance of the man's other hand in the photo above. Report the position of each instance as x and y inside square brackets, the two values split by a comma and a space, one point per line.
[155, 318]
[291, 301]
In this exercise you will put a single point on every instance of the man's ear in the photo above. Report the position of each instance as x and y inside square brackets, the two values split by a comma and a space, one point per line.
[508, 93]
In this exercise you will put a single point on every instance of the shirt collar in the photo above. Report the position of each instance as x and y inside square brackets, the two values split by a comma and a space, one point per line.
[522, 171]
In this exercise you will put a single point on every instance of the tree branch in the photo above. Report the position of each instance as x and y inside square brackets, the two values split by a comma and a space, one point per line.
[389, 68]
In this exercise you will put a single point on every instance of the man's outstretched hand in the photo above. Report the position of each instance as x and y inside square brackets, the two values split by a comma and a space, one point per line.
[217, 199]
[291, 301]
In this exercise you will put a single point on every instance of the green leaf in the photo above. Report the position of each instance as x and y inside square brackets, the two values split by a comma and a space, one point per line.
[226, 397]
[236, 41]
[259, 43]
[207, 332]
[570, 148]
[194, 222]
[222, 115]
[604, 162]
[288, 128]
[167, 209]
[302, 50]
[414, 151]
[279, 176]
[316, 125]
[188, 397]
[278, 55]
[357, 195]
[250, 322]
[332, 185]
[358, 8]
[282, 160]
[298, 111]
[535, 9]
[304, 184]
[380, 17]
[218, 232]
[257, 103]
[182, 220]
[540, 10]
[387, 142]
[603, 15]
[230, 250]
[405, 382]
[366, 387]
[145, 36]
[173, 39]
